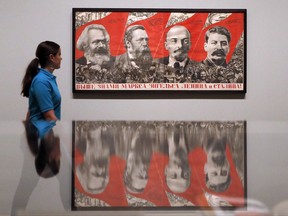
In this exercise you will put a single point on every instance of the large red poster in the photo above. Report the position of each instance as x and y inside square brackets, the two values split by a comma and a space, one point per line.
[178, 50]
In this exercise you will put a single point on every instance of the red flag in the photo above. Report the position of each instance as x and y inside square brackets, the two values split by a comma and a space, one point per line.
[194, 24]
[115, 25]
[197, 159]
[154, 191]
[155, 27]
[115, 185]
[234, 23]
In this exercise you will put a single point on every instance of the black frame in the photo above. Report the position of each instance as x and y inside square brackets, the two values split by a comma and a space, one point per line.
[231, 78]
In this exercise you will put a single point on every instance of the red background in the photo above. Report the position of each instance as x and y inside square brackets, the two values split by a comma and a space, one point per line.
[115, 23]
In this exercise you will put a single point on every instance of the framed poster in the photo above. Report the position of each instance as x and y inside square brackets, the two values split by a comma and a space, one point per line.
[150, 165]
[159, 50]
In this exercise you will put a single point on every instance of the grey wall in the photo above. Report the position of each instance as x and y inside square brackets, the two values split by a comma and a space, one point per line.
[25, 23]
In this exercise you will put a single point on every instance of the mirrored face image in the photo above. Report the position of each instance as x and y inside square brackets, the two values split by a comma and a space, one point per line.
[217, 174]
[178, 43]
[137, 177]
[97, 175]
[217, 170]
[217, 47]
[137, 166]
[93, 173]
[177, 178]
[138, 162]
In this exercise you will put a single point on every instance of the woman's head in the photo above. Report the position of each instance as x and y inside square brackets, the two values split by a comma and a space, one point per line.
[47, 54]
[44, 50]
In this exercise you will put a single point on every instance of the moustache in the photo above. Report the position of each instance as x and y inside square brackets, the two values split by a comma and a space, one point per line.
[219, 160]
[180, 50]
[143, 52]
[218, 52]
[146, 49]
[101, 50]
[102, 173]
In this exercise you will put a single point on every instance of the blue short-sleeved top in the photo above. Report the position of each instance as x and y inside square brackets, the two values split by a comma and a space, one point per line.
[44, 95]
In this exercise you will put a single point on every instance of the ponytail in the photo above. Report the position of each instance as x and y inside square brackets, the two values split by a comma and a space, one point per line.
[31, 72]
[42, 59]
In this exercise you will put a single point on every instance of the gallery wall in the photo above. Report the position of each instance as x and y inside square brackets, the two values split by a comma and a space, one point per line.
[24, 24]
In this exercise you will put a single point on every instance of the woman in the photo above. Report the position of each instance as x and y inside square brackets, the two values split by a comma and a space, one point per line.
[39, 85]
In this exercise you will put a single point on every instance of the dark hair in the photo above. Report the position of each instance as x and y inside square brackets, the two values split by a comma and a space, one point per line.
[31, 136]
[45, 166]
[220, 30]
[128, 34]
[43, 51]
[219, 187]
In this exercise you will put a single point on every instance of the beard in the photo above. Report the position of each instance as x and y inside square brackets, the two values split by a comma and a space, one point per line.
[144, 59]
[181, 56]
[220, 159]
[99, 56]
[181, 154]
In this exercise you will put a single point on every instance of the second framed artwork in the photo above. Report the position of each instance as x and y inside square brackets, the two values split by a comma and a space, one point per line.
[159, 50]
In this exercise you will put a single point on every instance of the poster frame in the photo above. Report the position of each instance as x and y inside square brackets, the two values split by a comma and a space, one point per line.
[120, 76]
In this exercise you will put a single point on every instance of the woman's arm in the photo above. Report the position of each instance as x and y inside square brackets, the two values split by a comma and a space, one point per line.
[50, 116]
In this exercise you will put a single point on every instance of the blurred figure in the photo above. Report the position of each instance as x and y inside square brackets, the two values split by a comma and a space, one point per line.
[202, 77]
[47, 151]
[93, 173]
[138, 162]
[217, 167]
[47, 161]
[177, 171]
[216, 17]
[46, 155]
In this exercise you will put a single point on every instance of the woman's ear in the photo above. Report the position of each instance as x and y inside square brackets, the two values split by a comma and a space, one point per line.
[51, 57]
